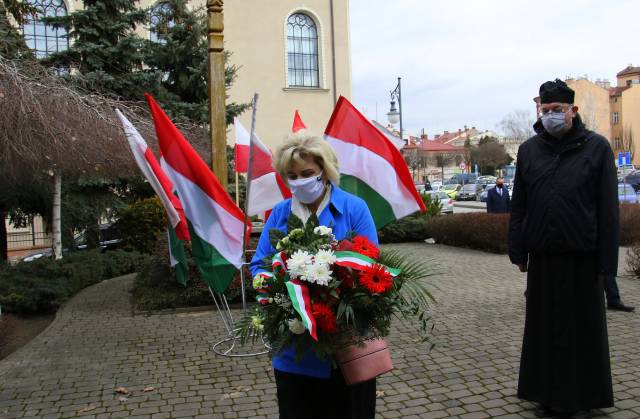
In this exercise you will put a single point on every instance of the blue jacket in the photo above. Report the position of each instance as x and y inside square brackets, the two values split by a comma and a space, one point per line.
[345, 213]
[496, 203]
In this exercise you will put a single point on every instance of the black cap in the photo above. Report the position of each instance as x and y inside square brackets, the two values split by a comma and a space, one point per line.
[556, 91]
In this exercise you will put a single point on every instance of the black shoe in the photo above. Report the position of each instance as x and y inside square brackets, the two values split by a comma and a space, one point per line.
[543, 411]
[619, 306]
[583, 414]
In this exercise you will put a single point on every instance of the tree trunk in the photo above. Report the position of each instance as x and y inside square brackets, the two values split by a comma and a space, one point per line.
[56, 220]
[4, 247]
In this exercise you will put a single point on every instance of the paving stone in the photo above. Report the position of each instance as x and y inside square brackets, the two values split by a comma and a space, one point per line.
[97, 344]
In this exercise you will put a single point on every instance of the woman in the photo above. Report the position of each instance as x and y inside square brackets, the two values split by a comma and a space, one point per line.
[310, 387]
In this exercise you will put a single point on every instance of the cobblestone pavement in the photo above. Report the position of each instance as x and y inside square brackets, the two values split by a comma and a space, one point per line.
[96, 345]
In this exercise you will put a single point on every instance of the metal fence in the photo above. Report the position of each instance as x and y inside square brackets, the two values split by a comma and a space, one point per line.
[32, 236]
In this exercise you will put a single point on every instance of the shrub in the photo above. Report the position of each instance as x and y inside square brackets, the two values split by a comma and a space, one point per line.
[629, 224]
[474, 230]
[407, 229]
[156, 288]
[41, 286]
[633, 260]
[141, 223]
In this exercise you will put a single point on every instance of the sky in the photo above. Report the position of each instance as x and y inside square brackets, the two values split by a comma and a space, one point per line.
[471, 62]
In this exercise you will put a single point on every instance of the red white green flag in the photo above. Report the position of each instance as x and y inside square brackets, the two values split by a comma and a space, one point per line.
[178, 230]
[371, 167]
[215, 221]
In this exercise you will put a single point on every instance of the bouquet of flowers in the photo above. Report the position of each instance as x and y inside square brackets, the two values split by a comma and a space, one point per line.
[317, 291]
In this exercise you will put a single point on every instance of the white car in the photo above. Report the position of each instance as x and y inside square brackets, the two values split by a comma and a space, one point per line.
[445, 201]
[436, 186]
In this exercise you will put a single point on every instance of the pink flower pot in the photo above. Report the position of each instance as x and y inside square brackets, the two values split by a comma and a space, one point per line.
[364, 360]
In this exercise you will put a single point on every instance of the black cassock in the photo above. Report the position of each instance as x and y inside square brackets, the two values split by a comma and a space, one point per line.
[565, 353]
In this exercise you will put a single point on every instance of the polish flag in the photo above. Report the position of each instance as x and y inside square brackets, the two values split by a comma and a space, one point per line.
[266, 187]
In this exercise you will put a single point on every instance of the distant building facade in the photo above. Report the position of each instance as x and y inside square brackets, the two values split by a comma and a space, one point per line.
[296, 54]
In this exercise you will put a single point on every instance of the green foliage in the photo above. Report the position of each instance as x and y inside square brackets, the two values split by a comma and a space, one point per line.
[156, 288]
[85, 201]
[433, 206]
[181, 57]
[407, 229]
[489, 154]
[141, 223]
[41, 286]
[12, 44]
[105, 49]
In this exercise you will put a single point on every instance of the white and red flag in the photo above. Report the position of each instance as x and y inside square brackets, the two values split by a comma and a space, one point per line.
[266, 187]
[215, 221]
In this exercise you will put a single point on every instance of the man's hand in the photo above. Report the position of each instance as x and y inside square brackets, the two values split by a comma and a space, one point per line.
[522, 267]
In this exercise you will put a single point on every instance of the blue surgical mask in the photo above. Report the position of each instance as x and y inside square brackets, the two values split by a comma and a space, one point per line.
[307, 190]
[554, 123]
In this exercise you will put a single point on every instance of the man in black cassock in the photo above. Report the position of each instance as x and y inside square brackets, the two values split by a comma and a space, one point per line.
[564, 233]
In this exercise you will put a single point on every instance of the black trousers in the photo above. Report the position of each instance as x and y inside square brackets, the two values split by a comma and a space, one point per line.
[611, 290]
[303, 397]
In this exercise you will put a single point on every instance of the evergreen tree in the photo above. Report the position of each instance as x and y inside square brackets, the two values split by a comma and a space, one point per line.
[12, 44]
[106, 52]
[180, 54]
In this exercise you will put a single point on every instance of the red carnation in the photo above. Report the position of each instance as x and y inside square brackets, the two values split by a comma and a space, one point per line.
[364, 246]
[376, 279]
[325, 317]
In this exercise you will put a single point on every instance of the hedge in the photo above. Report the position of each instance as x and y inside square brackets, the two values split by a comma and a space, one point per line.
[482, 231]
[41, 286]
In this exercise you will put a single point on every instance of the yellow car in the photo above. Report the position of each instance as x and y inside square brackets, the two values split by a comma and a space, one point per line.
[451, 190]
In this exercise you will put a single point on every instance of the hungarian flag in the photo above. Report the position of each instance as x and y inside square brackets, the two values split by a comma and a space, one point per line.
[371, 166]
[150, 168]
[265, 185]
[297, 123]
[215, 222]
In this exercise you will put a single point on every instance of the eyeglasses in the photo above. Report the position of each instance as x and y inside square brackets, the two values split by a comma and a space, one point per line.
[558, 108]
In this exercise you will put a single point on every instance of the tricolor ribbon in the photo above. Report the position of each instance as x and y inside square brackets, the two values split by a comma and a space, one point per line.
[299, 294]
[359, 262]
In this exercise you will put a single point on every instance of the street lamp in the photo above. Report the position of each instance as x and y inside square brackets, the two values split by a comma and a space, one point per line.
[394, 114]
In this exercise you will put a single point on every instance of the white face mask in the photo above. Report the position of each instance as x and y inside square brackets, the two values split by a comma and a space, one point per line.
[307, 190]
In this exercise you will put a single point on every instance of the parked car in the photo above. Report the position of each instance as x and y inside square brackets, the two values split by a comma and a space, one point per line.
[109, 240]
[626, 193]
[469, 192]
[451, 189]
[633, 179]
[446, 203]
[485, 193]
[436, 186]
[463, 178]
[420, 188]
[485, 181]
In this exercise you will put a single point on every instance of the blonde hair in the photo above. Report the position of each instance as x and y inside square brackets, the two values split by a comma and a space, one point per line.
[299, 146]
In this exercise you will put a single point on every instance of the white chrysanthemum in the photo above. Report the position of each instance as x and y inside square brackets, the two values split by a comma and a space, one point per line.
[322, 231]
[298, 263]
[318, 273]
[296, 326]
[326, 257]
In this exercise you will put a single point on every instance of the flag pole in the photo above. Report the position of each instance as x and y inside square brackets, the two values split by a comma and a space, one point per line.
[237, 188]
[254, 106]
